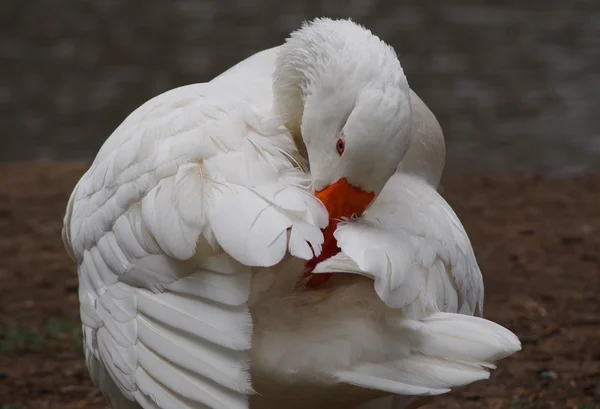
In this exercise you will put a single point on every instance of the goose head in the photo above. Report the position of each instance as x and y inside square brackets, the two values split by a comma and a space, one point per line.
[344, 92]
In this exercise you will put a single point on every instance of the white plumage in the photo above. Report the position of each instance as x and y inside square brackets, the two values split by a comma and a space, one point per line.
[192, 228]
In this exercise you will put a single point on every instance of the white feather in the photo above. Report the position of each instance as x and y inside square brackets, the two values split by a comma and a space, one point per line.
[414, 247]
[180, 201]
[445, 350]
[201, 186]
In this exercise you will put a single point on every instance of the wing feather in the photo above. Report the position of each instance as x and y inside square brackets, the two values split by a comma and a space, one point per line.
[413, 246]
[186, 196]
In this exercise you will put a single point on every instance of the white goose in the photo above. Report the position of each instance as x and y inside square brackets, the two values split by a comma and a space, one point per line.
[195, 225]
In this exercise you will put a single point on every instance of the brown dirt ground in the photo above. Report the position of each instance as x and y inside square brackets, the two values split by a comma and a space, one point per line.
[537, 242]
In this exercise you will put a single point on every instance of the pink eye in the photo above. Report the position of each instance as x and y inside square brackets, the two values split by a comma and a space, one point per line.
[340, 145]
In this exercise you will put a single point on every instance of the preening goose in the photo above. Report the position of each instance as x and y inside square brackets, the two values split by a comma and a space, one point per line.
[207, 236]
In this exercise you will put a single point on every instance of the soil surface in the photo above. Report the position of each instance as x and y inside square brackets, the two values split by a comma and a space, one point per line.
[536, 240]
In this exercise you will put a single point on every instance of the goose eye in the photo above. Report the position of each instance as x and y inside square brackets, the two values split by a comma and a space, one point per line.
[340, 145]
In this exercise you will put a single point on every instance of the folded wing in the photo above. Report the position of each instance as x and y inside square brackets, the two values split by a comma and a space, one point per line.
[189, 193]
[413, 246]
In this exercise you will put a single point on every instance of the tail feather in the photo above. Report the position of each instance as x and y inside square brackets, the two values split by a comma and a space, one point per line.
[446, 351]
[467, 338]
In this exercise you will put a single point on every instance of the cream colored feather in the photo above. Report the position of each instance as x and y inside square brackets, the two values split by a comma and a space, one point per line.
[192, 226]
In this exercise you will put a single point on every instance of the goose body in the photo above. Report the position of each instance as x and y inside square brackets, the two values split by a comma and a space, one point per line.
[207, 217]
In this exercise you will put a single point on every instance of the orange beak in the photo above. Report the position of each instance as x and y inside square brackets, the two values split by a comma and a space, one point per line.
[344, 200]
[341, 200]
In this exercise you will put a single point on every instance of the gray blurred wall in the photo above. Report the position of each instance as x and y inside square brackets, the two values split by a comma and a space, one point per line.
[514, 83]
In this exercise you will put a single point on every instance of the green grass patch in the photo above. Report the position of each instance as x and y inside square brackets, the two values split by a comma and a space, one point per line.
[55, 332]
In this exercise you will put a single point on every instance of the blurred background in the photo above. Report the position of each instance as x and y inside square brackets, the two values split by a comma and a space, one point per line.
[515, 84]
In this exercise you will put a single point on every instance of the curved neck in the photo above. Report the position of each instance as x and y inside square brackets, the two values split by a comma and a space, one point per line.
[426, 155]
[325, 53]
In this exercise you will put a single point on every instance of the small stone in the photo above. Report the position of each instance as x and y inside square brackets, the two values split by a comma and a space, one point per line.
[547, 374]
